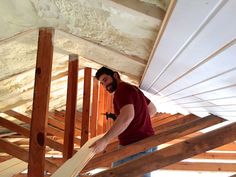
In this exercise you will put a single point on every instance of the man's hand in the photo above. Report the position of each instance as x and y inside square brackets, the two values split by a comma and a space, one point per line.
[99, 145]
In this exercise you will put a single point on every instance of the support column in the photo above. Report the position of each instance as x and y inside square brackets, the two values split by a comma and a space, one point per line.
[100, 110]
[42, 85]
[86, 105]
[93, 121]
[71, 101]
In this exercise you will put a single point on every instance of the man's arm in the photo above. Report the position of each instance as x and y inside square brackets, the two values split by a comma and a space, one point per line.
[152, 109]
[122, 122]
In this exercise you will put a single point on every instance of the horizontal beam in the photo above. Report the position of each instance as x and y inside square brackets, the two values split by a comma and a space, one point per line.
[23, 154]
[155, 140]
[175, 153]
[203, 166]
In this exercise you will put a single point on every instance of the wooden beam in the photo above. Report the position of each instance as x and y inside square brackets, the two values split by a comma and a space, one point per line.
[71, 101]
[40, 102]
[176, 122]
[216, 155]
[22, 154]
[157, 139]
[14, 127]
[105, 110]
[164, 118]
[50, 130]
[100, 110]
[203, 166]
[175, 153]
[86, 105]
[93, 120]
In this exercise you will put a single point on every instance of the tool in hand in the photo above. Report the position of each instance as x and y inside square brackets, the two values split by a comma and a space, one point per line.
[110, 115]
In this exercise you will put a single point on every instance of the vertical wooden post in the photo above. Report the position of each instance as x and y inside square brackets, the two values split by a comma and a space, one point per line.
[70, 106]
[93, 120]
[40, 102]
[105, 110]
[100, 110]
[86, 105]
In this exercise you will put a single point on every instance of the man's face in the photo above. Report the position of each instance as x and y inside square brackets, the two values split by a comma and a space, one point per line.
[108, 82]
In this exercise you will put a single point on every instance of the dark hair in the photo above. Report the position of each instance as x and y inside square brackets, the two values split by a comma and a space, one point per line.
[104, 70]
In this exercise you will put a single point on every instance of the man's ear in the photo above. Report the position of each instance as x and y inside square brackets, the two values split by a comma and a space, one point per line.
[116, 75]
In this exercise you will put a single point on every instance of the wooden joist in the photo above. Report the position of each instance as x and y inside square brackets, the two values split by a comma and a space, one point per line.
[100, 110]
[71, 101]
[203, 166]
[42, 85]
[216, 155]
[50, 129]
[157, 139]
[175, 153]
[22, 154]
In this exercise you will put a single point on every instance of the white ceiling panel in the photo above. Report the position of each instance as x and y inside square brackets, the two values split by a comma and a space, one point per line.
[194, 63]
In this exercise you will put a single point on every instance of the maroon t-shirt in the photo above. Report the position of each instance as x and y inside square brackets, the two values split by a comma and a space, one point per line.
[140, 127]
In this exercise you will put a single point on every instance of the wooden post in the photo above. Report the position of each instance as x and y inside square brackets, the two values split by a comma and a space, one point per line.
[70, 106]
[86, 105]
[100, 110]
[93, 120]
[40, 102]
[105, 110]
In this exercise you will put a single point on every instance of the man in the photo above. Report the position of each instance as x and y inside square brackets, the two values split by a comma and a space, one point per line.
[133, 110]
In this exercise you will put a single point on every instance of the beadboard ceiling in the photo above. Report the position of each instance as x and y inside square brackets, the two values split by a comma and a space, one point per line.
[193, 64]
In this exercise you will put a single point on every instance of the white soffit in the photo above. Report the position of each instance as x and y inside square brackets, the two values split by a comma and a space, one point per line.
[194, 62]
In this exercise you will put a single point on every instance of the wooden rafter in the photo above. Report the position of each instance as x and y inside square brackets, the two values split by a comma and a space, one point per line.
[157, 139]
[175, 153]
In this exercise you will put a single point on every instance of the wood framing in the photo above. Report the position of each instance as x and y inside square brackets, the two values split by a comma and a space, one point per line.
[71, 101]
[157, 139]
[86, 105]
[22, 154]
[40, 102]
[93, 120]
[175, 153]
[100, 110]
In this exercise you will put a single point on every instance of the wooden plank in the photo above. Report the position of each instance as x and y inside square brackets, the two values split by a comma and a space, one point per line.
[175, 153]
[40, 102]
[73, 166]
[71, 101]
[203, 166]
[93, 120]
[86, 105]
[12, 167]
[216, 155]
[157, 139]
[22, 154]
[100, 110]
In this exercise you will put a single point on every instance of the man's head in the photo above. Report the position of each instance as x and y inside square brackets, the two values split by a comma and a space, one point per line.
[108, 78]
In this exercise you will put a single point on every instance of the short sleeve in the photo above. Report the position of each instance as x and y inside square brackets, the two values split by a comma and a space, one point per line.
[124, 96]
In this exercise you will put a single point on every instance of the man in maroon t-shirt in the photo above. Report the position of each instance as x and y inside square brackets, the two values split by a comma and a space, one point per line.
[133, 110]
